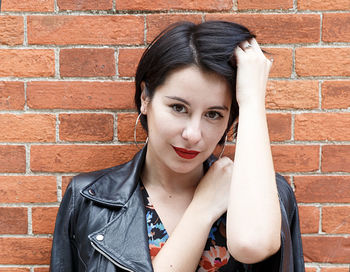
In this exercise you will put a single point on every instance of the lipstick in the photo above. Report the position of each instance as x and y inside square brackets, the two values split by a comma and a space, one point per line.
[185, 153]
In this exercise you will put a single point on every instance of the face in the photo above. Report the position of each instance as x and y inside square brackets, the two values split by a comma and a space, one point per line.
[186, 119]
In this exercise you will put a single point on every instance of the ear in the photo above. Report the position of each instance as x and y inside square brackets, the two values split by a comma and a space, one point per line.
[144, 98]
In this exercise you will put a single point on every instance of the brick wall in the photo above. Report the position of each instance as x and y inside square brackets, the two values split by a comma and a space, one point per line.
[66, 90]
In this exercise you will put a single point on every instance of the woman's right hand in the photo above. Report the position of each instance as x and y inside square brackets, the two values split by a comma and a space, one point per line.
[212, 193]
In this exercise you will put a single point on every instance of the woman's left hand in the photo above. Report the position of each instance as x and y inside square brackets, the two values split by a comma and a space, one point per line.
[252, 73]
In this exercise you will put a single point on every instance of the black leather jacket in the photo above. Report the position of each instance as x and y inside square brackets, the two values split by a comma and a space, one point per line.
[101, 225]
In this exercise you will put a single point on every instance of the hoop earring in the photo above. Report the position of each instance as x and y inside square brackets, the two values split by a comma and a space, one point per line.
[135, 141]
[223, 148]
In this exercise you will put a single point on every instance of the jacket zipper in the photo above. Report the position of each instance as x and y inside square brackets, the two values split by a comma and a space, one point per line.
[110, 259]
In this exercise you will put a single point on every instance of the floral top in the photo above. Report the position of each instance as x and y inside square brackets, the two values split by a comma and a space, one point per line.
[215, 256]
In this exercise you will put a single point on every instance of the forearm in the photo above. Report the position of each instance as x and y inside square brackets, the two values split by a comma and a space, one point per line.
[184, 248]
[253, 226]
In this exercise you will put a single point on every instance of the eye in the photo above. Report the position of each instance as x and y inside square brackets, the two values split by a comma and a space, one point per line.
[178, 108]
[213, 115]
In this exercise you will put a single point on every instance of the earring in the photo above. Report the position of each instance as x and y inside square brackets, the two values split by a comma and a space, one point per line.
[223, 148]
[135, 138]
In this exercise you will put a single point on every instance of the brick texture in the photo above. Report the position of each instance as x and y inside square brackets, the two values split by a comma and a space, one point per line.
[11, 30]
[13, 220]
[43, 219]
[256, 4]
[309, 218]
[336, 158]
[334, 27]
[12, 159]
[128, 60]
[279, 126]
[323, 5]
[11, 95]
[282, 61]
[84, 4]
[336, 94]
[126, 126]
[336, 219]
[28, 5]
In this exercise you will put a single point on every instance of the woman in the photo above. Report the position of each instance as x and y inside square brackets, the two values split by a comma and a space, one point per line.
[174, 207]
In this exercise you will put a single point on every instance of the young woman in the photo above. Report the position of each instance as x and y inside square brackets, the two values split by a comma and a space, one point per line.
[174, 206]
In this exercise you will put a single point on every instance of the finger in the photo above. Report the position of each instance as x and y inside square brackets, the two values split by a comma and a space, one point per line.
[245, 45]
[256, 45]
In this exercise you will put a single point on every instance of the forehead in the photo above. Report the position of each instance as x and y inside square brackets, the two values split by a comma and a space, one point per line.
[192, 83]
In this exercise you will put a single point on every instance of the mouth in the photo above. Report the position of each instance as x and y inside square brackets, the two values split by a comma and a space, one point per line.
[185, 153]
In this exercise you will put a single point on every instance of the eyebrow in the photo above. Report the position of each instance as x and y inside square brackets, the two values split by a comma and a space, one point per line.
[188, 104]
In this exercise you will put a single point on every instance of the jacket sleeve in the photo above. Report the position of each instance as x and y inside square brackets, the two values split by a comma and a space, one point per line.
[63, 250]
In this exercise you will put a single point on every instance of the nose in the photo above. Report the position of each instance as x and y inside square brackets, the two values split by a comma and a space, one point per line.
[192, 132]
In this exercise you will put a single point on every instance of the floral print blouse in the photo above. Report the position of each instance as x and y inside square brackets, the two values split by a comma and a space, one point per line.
[215, 256]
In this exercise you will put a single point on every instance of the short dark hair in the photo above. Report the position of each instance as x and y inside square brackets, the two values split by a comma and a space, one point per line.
[209, 45]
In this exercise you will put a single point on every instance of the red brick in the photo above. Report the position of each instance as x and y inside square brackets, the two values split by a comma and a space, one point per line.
[322, 126]
[336, 158]
[13, 220]
[28, 5]
[336, 94]
[295, 158]
[309, 219]
[126, 125]
[14, 269]
[158, 22]
[258, 4]
[310, 269]
[65, 181]
[128, 60]
[41, 269]
[43, 219]
[85, 4]
[323, 4]
[27, 62]
[103, 29]
[11, 95]
[282, 61]
[277, 28]
[27, 189]
[279, 126]
[322, 61]
[325, 249]
[28, 128]
[86, 127]
[25, 250]
[336, 219]
[335, 27]
[78, 158]
[11, 29]
[298, 94]
[335, 269]
[86, 62]
[322, 189]
[175, 4]
[12, 159]
[80, 95]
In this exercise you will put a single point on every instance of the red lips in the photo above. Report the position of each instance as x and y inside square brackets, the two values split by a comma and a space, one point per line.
[185, 153]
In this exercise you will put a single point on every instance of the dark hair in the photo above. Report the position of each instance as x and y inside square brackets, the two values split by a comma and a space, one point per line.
[209, 45]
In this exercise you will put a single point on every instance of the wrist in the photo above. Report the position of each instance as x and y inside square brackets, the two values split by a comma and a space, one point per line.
[201, 214]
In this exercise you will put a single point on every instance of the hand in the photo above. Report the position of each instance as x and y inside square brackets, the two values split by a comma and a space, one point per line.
[252, 73]
[212, 193]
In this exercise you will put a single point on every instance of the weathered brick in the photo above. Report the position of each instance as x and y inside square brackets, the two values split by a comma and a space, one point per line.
[158, 22]
[336, 94]
[309, 219]
[66, 29]
[41, 269]
[28, 128]
[335, 27]
[257, 4]
[80, 95]
[13, 220]
[322, 189]
[86, 127]
[14, 269]
[11, 95]
[310, 269]
[322, 126]
[323, 4]
[22, 251]
[282, 61]
[87, 62]
[128, 60]
[322, 61]
[12, 159]
[325, 249]
[175, 4]
[334, 269]
[65, 181]
[78, 158]
[43, 219]
[85, 4]
[11, 29]
[27, 63]
[31, 189]
[126, 125]
[28, 5]
[279, 126]
[298, 94]
[336, 219]
[277, 28]
[336, 158]
[295, 158]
